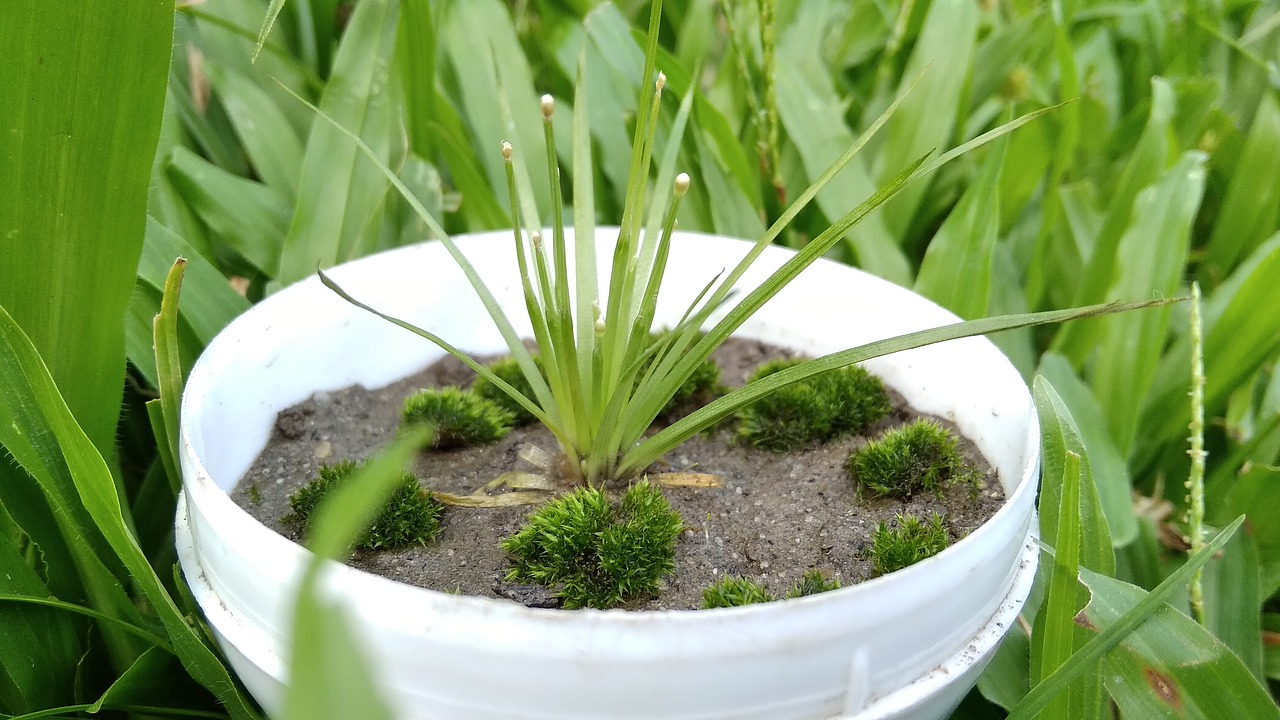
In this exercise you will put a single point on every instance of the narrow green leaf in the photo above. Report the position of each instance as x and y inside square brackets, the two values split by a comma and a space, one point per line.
[169, 373]
[1055, 621]
[340, 190]
[1087, 657]
[1150, 260]
[273, 12]
[273, 148]
[208, 301]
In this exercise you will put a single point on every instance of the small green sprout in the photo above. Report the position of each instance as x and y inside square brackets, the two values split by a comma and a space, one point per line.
[596, 553]
[508, 370]
[461, 418]
[812, 583]
[255, 494]
[825, 407]
[733, 591]
[410, 515]
[911, 541]
[918, 457]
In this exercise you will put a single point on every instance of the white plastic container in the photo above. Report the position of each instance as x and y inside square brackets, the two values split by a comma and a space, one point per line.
[907, 645]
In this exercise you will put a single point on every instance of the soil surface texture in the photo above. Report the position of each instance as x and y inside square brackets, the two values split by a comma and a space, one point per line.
[773, 518]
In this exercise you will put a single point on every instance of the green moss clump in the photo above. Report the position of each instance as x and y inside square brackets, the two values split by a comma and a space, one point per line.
[733, 591]
[911, 541]
[596, 553]
[812, 583]
[825, 407]
[918, 457]
[461, 418]
[508, 370]
[411, 515]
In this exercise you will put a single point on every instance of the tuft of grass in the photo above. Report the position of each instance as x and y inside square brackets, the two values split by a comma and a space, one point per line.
[596, 553]
[825, 407]
[733, 591]
[921, 456]
[460, 418]
[411, 515]
[907, 543]
[508, 370]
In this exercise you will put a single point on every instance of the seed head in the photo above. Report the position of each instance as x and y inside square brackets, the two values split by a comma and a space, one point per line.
[548, 106]
[662, 81]
[506, 150]
[682, 184]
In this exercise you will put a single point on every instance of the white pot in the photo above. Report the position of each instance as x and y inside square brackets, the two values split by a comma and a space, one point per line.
[907, 645]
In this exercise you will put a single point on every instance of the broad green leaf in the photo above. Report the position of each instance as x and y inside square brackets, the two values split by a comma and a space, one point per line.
[83, 91]
[1170, 666]
[273, 148]
[39, 646]
[1110, 474]
[1149, 262]
[330, 677]
[812, 114]
[480, 38]
[1256, 494]
[1252, 205]
[1239, 338]
[928, 118]
[1231, 597]
[1119, 628]
[45, 440]
[417, 51]
[250, 218]
[956, 272]
[341, 190]
[1144, 167]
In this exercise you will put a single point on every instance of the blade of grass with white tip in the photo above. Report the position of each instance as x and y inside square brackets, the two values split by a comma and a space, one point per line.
[1120, 625]
[512, 339]
[330, 675]
[584, 233]
[653, 447]
[341, 191]
[739, 313]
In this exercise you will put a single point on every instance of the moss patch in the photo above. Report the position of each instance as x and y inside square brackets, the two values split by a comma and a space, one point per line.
[461, 418]
[921, 456]
[825, 407]
[410, 516]
[907, 543]
[508, 370]
[596, 553]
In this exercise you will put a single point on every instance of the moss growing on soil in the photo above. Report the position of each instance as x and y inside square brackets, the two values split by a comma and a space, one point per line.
[732, 591]
[508, 370]
[461, 418]
[921, 456]
[411, 515]
[831, 405]
[596, 553]
[909, 542]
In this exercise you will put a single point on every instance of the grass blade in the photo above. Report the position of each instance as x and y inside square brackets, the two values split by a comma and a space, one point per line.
[1052, 644]
[170, 376]
[1252, 204]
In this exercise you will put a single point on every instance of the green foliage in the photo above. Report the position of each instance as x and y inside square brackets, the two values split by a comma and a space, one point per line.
[701, 387]
[509, 371]
[921, 456]
[460, 418]
[909, 541]
[825, 407]
[812, 583]
[596, 553]
[734, 591]
[410, 514]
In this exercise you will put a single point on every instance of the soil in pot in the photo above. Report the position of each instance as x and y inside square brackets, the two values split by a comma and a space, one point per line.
[774, 517]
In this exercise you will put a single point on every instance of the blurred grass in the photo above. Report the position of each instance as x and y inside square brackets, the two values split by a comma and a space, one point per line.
[1162, 168]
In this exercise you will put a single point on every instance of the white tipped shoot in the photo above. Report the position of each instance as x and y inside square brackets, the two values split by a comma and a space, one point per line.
[681, 184]
[507, 150]
[548, 106]
[662, 81]
[536, 238]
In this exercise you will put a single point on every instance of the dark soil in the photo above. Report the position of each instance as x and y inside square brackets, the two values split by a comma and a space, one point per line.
[775, 516]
